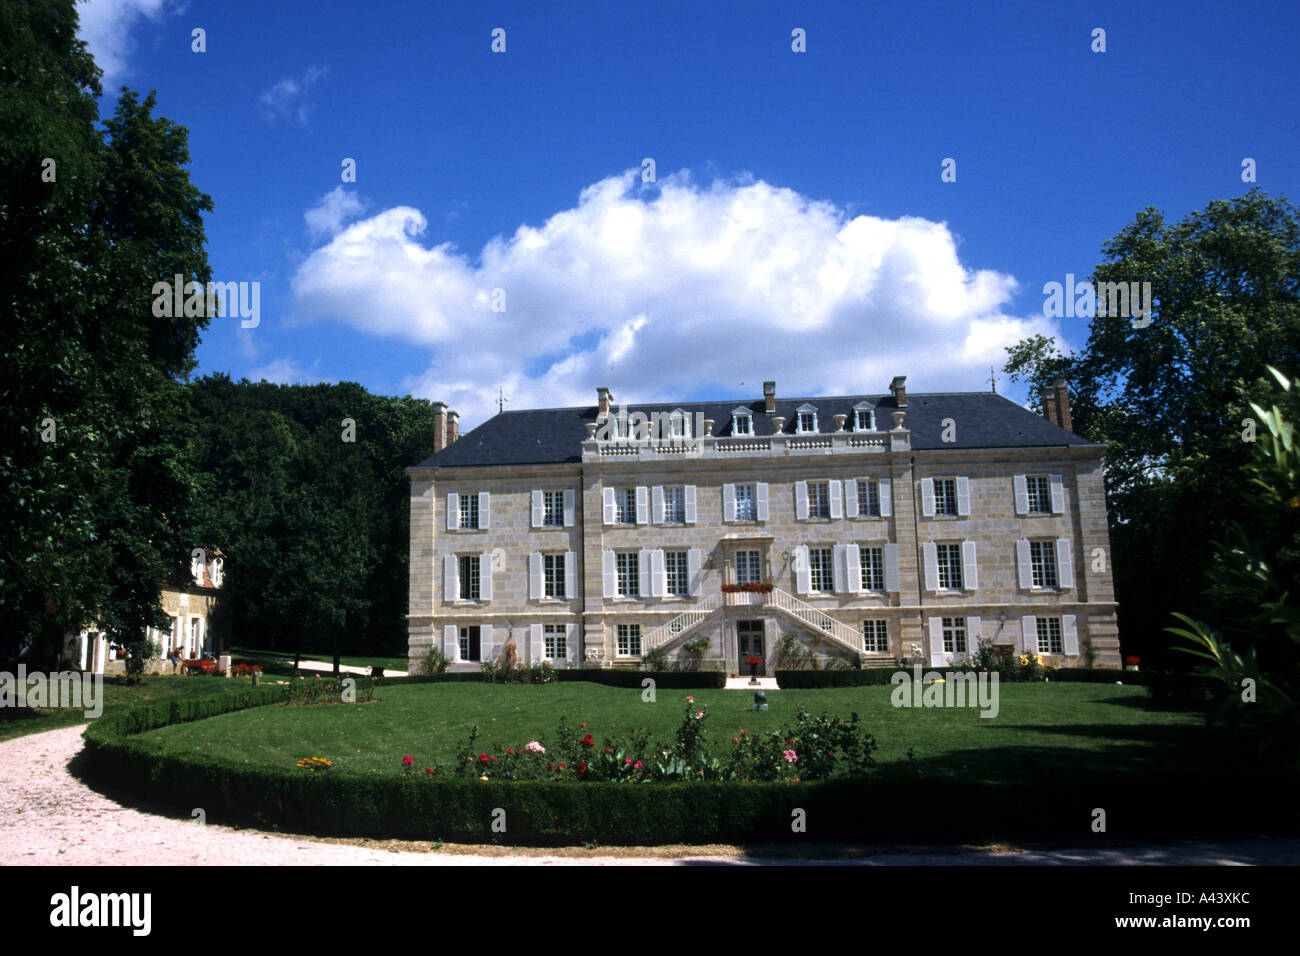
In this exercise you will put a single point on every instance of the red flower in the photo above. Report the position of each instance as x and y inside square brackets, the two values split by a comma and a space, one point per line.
[1134, 659]
[586, 741]
[562, 766]
[428, 770]
[407, 761]
[550, 766]
[482, 758]
[582, 767]
[584, 725]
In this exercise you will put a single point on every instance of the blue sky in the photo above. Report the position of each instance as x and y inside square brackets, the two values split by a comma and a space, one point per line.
[798, 228]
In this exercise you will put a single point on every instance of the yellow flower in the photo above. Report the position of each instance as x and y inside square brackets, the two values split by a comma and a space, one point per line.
[482, 778]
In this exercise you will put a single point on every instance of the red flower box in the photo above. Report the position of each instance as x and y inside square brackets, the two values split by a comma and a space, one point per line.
[754, 587]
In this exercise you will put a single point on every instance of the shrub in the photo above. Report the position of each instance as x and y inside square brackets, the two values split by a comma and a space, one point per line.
[502, 672]
[670, 680]
[791, 653]
[434, 661]
[655, 659]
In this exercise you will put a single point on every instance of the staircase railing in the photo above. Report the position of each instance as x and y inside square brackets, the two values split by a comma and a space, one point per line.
[683, 622]
[815, 618]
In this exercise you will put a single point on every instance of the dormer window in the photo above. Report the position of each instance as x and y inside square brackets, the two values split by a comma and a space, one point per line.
[679, 424]
[806, 422]
[864, 417]
[217, 564]
[742, 421]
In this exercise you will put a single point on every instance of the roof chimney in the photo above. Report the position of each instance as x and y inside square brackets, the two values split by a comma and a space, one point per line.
[769, 397]
[604, 399]
[453, 426]
[899, 387]
[1056, 404]
[439, 426]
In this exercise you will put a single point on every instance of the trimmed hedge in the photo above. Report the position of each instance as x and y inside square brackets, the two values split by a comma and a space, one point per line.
[868, 677]
[670, 680]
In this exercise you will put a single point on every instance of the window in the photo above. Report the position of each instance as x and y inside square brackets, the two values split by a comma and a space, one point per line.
[954, 635]
[629, 574]
[553, 508]
[807, 421]
[470, 649]
[875, 637]
[1049, 635]
[1040, 494]
[742, 425]
[749, 567]
[624, 506]
[869, 497]
[873, 568]
[945, 496]
[862, 420]
[949, 565]
[745, 509]
[674, 506]
[557, 645]
[469, 511]
[469, 577]
[819, 499]
[679, 425]
[553, 575]
[629, 640]
[1042, 561]
[819, 562]
[675, 568]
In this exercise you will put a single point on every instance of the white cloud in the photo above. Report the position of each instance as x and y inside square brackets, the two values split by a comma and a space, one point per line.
[283, 371]
[668, 291]
[288, 98]
[106, 27]
[335, 208]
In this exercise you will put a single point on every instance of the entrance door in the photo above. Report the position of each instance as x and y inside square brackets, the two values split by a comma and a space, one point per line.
[750, 635]
[469, 643]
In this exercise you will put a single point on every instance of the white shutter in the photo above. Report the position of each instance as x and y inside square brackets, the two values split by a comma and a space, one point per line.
[886, 497]
[1058, 495]
[728, 502]
[453, 511]
[1025, 569]
[1070, 633]
[538, 650]
[1064, 564]
[761, 504]
[570, 571]
[642, 504]
[837, 499]
[610, 574]
[891, 567]
[1021, 486]
[694, 573]
[569, 507]
[931, 555]
[610, 511]
[643, 572]
[1029, 634]
[485, 509]
[853, 567]
[535, 581]
[451, 642]
[937, 657]
[963, 496]
[850, 498]
[450, 578]
[974, 631]
[689, 493]
[927, 497]
[485, 576]
[658, 574]
[571, 642]
[839, 569]
[969, 568]
[801, 499]
[802, 569]
[485, 648]
[539, 509]
[657, 508]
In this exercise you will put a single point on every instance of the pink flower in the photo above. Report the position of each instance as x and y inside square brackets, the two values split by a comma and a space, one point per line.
[407, 761]
[735, 740]
[699, 714]
[628, 760]
[789, 755]
[690, 700]
[534, 747]
[637, 765]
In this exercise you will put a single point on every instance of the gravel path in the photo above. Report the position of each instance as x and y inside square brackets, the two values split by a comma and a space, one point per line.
[48, 816]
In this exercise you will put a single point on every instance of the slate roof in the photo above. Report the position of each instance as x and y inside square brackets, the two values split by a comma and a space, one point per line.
[555, 435]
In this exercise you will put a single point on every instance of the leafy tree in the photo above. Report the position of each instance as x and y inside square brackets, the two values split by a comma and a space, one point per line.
[1170, 398]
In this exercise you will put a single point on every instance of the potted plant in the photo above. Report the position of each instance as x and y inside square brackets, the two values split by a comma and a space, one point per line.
[753, 661]
[1131, 662]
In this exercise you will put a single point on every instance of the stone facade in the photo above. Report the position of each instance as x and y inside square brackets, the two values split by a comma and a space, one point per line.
[825, 610]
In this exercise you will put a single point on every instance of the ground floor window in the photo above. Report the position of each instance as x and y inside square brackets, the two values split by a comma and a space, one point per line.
[875, 637]
[1049, 635]
[954, 635]
[557, 648]
[629, 640]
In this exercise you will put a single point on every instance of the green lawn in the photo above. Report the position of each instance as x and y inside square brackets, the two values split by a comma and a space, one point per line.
[117, 694]
[1041, 729]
